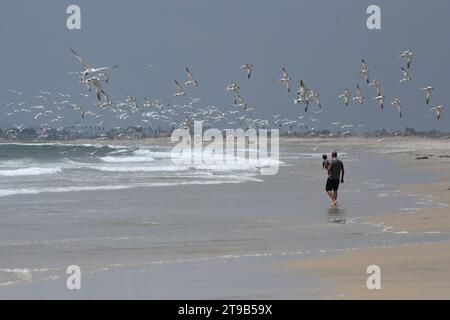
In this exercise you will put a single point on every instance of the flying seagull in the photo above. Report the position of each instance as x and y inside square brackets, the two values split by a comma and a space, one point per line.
[191, 81]
[286, 80]
[428, 92]
[99, 89]
[180, 91]
[233, 88]
[408, 56]
[87, 67]
[359, 96]
[399, 104]
[406, 75]
[377, 85]
[303, 95]
[438, 110]
[240, 102]
[365, 71]
[249, 68]
[380, 99]
[316, 96]
[346, 95]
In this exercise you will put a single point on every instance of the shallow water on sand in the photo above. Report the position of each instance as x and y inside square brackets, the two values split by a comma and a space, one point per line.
[122, 213]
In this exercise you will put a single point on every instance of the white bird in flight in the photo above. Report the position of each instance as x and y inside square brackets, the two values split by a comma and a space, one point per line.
[303, 95]
[316, 96]
[438, 110]
[191, 81]
[380, 99]
[286, 80]
[99, 90]
[428, 92]
[408, 56]
[233, 88]
[249, 68]
[180, 92]
[406, 75]
[359, 96]
[399, 104]
[88, 70]
[346, 95]
[240, 102]
[365, 71]
[377, 85]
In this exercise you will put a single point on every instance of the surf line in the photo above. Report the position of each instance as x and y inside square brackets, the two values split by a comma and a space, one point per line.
[194, 146]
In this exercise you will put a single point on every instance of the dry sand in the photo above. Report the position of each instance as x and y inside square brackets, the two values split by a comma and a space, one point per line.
[417, 271]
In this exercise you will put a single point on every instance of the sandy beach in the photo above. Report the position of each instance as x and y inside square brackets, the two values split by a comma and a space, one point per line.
[412, 271]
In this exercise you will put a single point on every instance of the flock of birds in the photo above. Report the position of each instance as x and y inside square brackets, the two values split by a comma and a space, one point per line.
[380, 98]
[92, 77]
[96, 78]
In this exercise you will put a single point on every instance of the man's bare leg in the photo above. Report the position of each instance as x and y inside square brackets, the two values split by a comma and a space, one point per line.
[333, 199]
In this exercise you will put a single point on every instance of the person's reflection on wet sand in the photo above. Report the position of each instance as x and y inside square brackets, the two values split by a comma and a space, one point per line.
[337, 215]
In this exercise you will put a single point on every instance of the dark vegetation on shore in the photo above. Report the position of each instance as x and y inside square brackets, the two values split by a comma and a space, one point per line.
[136, 133]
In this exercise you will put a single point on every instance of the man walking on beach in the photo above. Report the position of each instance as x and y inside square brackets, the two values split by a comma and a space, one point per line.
[336, 174]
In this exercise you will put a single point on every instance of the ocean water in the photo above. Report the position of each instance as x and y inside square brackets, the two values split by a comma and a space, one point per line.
[122, 213]
[72, 168]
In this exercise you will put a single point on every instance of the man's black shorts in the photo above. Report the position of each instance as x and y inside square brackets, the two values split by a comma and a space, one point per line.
[332, 184]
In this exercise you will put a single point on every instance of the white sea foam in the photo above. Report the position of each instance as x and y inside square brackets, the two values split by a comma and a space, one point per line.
[213, 168]
[132, 169]
[140, 155]
[119, 151]
[21, 275]
[126, 159]
[18, 274]
[203, 163]
[34, 191]
[34, 171]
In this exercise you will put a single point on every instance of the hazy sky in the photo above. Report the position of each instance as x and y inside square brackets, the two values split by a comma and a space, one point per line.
[321, 42]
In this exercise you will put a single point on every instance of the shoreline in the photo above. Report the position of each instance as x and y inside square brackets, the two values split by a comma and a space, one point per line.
[413, 271]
